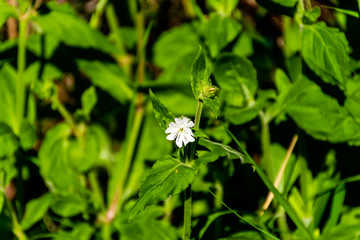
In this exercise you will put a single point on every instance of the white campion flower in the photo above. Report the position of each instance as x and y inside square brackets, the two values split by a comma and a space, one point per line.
[180, 129]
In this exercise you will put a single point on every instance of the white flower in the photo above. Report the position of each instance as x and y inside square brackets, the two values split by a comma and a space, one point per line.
[180, 129]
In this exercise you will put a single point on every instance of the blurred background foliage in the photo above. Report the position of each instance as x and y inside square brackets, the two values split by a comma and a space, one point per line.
[77, 132]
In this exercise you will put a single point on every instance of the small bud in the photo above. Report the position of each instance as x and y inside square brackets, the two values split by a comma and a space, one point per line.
[211, 91]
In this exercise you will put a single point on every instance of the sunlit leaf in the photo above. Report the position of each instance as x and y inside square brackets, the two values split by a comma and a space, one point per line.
[167, 177]
[166, 49]
[220, 31]
[322, 117]
[162, 115]
[8, 141]
[68, 206]
[109, 77]
[8, 79]
[200, 75]
[147, 226]
[27, 135]
[74, 31]
[217, 150]
[55, 167]
[35, 210]
[89, 99]
[326, 52]
[237, 79]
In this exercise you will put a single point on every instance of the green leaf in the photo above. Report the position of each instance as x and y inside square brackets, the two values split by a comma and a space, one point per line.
[86, 151]
[74, 31]
[167, 177]
[6, 11]
[223, 6]
[285, 3]
[345, 11]
[162, 115]
[147, 226]
[8, 141]
[27, 135]
[217, 150]
[220, 31]
[313, 14]
[236, 77]
[282, 81]
[213, 104]
[8, 79]
[210, 219]
[336, 207]
[326, 52]
[109, 77]
[89, 100]
[166, 48]
[54, 164]
[200, 75]
[68, 206]
[321, 116]
[35, 210]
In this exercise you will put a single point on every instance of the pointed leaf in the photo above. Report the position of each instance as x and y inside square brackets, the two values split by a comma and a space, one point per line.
[321, 116]
[8, 141]
[74, 31]
[162, 115]
[167, 177]
[237, 79]
[89, 99]
[213, 104]
[35, 210]
[109, 77]
[326, 52]
[217, 150]
[220, 31]
[200, 75]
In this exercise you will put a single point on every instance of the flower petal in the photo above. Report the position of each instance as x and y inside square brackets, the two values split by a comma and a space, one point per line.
[171, 130]
[189, 138]
[172, 136]
[178, 141]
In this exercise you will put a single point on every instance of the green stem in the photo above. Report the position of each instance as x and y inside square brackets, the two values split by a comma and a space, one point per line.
[15, 223]
[187, 192]
[187, 213]
[130, 147]
[140, 47]
[266, 146]
[95, 18]
[114, 27]
[96, 190]
[188, 8]
[21, 63]
[65, 114]
[106, 231]
[198, 115]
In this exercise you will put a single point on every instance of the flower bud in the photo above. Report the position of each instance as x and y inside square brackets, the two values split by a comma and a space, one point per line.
[211, 91]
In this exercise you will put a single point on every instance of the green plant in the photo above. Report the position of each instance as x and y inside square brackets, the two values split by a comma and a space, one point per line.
[80, 135]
